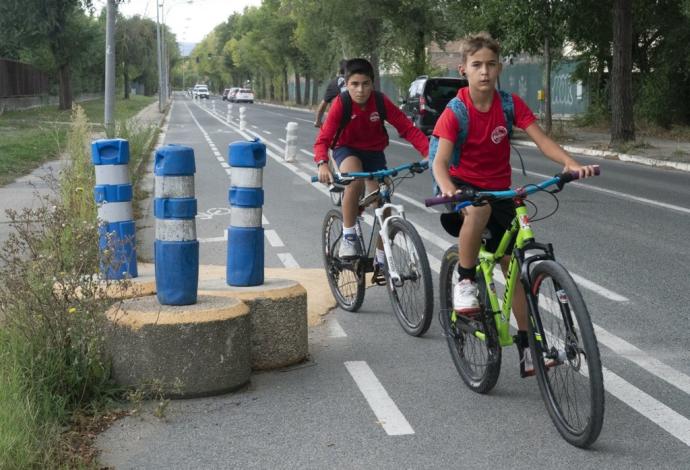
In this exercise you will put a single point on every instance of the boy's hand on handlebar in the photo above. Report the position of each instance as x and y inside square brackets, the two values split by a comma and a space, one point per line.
[325, 175]
[449, 191]
[584, 171]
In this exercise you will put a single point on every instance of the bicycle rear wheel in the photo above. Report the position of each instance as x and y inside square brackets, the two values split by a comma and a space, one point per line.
[413, 298]
[346, 279]
[478, 361]
[569, 372]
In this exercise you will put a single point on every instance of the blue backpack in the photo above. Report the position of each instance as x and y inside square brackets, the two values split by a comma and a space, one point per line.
[460, 110]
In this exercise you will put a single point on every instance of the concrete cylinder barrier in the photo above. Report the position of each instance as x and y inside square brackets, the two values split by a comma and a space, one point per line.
[227, 118]
[176, 249]
[291, 142]
[113, 195]
[245, 266]
[243, 117]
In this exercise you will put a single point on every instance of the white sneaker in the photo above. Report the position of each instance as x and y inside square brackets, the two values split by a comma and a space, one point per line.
[348, 246]
[465, 297]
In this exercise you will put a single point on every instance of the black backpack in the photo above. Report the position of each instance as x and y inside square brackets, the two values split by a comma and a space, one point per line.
[346, 99]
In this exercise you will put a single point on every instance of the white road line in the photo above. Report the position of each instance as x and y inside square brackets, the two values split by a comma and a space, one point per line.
[627, 197]
[267, 132]
[283, 141]
[415, 202]
[674, 423]
[311, 154]
[627, 350]
[288, 260]
[264, 220]
[334, 328]
[220, 158]
[255, 127]
[224, 165]
[273, 238]
[385, 409]
[404, 144]
[642, 359]
[602, 291]
[211, 240]
[228, 171]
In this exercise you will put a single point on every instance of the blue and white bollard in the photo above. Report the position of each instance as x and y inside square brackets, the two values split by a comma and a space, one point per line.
[113, 195]
[246, 235]
[176, 249]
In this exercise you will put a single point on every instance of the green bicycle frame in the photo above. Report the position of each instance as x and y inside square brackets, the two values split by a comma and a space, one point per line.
[520, 228]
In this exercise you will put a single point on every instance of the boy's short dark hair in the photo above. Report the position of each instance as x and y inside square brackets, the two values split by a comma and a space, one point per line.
[341, 67]
[361, 66]
[474, 42]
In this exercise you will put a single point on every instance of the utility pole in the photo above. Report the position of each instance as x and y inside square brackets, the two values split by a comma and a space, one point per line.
[160, 65]
[111, 13]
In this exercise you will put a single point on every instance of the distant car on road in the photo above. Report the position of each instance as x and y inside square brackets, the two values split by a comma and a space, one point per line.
[200, 91]
[228, 93]
[428, 97]
[244, 95]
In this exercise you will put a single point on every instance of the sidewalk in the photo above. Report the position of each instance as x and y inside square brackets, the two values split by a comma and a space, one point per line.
[25, 192]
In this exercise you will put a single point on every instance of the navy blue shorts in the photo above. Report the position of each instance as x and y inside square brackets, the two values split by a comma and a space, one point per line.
[372, 160]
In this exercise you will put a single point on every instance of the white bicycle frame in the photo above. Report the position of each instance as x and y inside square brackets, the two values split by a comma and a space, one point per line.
[397, 211]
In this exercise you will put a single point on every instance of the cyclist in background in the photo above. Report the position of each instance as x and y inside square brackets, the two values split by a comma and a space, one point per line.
[359, 145]
[485, 165]
[334, 88]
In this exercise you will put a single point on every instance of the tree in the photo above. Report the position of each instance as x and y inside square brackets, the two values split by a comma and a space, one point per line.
[53, 25]
[622, 124]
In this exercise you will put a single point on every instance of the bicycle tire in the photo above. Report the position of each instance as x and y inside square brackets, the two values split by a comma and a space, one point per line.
[336, 198]
[477, 361]
[413, 301]
[346, 282]
[566, 323]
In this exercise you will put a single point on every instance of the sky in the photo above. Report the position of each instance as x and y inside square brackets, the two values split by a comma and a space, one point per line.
[191, 20]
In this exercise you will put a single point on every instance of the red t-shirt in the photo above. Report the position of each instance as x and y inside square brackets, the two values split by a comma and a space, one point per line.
[365, 132]
[485, 155]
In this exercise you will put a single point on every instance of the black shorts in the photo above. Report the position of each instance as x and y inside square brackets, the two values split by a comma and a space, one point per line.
[372, 160]
[502, 215]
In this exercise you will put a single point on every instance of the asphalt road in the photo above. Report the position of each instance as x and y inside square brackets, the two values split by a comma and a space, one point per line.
[624, 236]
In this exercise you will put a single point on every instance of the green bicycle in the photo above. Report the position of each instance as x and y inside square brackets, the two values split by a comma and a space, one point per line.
[561, 337]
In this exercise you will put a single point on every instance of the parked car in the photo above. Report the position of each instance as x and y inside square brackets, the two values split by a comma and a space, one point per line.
[428, 97]
[228, 93]
[244, 95]
[200, 91]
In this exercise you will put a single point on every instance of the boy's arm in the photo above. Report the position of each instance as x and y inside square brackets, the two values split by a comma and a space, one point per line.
[441, 166]
[405, 127]
[327, 132]
[555, 152]
[319, 113]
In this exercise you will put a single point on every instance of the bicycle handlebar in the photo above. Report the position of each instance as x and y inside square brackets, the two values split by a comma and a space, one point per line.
[468, 196]
[346, 178]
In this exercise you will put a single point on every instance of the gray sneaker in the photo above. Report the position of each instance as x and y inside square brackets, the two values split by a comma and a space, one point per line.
[348, 246]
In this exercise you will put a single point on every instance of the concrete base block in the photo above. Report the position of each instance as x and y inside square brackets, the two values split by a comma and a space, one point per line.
[278, 316]
[189, 351]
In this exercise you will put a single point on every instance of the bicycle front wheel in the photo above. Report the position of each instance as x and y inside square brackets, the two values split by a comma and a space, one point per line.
[346, 279]
[569, 372]
[473, 342]
[412, 295]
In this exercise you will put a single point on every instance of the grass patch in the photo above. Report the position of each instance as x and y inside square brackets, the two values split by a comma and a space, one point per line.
[31, 137]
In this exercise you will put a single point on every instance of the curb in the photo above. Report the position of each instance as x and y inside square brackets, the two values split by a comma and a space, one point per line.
[614, 155]
[282, 106]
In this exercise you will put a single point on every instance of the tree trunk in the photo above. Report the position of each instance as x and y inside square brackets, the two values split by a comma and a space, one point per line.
[315, 92]
[307, 88]
[125, 77]
[547, 90]
[65, 87]
[285, 90]
[622, 123]
[419, 54]
[298, 89]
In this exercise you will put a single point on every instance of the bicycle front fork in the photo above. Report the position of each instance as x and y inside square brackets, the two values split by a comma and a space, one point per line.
[396, 211]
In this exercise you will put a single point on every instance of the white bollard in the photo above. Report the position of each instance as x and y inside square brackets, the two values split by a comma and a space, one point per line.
[243, 122]
[291, 142]
[213, 104]
[229, 112]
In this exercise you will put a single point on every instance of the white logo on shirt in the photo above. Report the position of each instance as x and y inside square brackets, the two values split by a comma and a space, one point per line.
[499, 134]
[374, 117]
